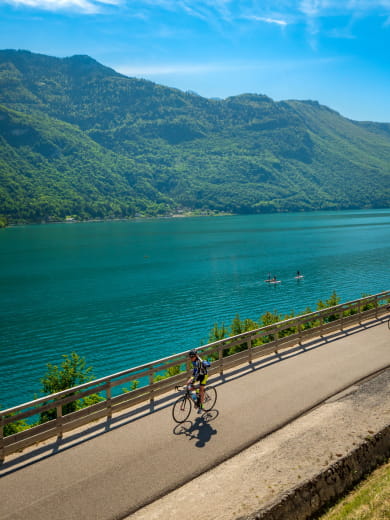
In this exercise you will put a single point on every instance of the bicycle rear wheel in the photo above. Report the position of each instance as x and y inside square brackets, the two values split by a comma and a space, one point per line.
[181, 409]
[210, 398]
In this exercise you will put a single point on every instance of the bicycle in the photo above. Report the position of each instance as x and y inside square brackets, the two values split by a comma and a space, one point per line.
[183, 406]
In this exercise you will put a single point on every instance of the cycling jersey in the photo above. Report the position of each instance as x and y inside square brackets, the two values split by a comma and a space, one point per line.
[199, 368]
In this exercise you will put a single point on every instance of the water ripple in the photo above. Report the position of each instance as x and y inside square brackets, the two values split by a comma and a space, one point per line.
[90, 289]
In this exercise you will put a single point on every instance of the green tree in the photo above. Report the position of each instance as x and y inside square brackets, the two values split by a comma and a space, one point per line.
[310, 324]
[237, 327]
[171, 371]
[250, 325]
[71, 372]
[218, 332]
[330, 302]
[133, 386]
[269, 318]
[14, 427]
[290, 330]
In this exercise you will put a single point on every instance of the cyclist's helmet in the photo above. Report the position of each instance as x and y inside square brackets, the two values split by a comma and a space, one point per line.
[192, 353]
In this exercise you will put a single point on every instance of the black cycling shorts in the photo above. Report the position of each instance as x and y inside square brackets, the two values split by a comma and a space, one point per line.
[202, 379]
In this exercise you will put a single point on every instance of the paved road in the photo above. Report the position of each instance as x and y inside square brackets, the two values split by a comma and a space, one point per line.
[114, 473]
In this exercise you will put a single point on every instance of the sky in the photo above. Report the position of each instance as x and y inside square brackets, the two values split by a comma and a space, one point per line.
[336, 52]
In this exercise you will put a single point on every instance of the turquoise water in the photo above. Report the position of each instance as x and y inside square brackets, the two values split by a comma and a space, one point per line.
[124, 293]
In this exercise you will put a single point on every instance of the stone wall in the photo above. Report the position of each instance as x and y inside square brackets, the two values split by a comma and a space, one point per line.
[312, 496]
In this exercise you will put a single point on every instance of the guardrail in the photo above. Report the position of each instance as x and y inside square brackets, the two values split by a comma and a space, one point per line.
[250, 345]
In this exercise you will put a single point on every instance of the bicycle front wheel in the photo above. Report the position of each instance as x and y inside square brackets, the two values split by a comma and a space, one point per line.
[210, 398]
[181, 409]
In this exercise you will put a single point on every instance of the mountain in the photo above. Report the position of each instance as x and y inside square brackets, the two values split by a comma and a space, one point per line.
[78, 138]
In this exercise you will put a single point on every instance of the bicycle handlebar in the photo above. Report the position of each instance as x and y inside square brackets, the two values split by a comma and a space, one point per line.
[179, 388]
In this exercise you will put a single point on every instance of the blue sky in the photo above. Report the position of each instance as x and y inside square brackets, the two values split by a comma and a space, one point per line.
[336, 52]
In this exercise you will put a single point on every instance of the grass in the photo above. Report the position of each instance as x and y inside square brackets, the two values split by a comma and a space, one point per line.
[369, 500]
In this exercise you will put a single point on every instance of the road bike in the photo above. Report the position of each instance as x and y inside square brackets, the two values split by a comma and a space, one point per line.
[183, 406]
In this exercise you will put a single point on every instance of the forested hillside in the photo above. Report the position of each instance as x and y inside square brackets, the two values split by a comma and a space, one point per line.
[78, 139]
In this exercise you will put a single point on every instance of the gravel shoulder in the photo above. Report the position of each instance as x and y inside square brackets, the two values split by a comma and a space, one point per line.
[298, 452]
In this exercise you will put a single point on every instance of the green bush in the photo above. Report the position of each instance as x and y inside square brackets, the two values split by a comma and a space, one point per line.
[71, 372]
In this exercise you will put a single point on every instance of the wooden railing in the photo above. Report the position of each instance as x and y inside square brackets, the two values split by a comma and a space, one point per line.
[251, 346]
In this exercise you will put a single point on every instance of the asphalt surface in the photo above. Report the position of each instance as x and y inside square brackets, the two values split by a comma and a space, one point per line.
[268, 473]
[116, 470]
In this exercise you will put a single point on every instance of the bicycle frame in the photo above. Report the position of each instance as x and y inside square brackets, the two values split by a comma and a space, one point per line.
[183, 406]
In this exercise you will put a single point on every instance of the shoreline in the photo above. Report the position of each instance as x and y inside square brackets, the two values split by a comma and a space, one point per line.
[122, 219]
[189, 214]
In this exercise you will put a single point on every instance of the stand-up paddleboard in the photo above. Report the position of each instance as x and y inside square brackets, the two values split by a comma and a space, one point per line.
[299, 277]
[273, 281]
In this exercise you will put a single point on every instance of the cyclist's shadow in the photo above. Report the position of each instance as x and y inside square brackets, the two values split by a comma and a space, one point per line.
[199, 429]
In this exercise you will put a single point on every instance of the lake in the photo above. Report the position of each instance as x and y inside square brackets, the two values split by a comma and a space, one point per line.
[125, 293]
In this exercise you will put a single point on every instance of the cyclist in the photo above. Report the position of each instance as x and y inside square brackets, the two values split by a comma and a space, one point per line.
[199, 373]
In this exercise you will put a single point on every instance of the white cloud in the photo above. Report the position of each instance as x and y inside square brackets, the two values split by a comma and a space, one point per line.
[310, 7]
[314, 8]
[83, 6]
[266, 20]
[368, 5]
[315, 11]
[278, 12]
[172, 69]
